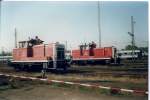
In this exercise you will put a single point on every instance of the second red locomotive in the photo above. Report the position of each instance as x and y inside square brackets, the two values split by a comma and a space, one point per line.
[91, 54]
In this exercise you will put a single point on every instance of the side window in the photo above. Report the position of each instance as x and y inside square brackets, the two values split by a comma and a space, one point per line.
[91, 52]
[81, 50]
[29, 52]
[60, 53]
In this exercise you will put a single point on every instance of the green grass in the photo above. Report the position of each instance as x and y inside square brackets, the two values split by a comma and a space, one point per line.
[5, 87]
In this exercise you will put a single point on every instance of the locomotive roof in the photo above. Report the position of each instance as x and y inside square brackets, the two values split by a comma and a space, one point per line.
[22, 41]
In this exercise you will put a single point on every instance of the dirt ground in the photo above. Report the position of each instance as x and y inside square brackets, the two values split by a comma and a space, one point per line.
[125, 76]
[47, 92]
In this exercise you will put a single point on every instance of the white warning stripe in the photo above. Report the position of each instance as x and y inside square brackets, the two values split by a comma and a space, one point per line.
[88, 85]
[7, 75]
[103, 87]
[1, 74]
[69, 83]
[15, 76]
[23, 77]
[44, 79]
[146, 92]
[127, 90]
[57, 81]
[33, 78]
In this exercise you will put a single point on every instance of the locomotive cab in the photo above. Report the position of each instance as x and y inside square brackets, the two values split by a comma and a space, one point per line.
[59, 61]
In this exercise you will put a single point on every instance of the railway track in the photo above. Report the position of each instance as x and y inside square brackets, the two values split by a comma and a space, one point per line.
[95, 71]
[110, 71]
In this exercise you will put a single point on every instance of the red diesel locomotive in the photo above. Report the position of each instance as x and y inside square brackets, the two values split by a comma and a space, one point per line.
[94, 55]
[34, 52]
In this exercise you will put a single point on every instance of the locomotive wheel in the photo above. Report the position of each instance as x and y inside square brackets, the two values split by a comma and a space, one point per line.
[107, 62]
[17, 68]
[27, 68]
[65, 70]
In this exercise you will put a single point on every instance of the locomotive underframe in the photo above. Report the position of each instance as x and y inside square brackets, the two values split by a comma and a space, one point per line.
[43, 64]
[93, 61]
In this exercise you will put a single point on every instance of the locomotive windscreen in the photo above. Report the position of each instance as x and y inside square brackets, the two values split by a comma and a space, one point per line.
[60, 53]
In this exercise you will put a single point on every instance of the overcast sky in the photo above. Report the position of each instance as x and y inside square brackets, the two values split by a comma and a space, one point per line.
[74, 22]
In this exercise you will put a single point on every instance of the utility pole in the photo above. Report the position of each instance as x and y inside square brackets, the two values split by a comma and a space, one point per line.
[132, 36]
[66, 45]
[99, 25]
[3, 53]
[15, 38]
